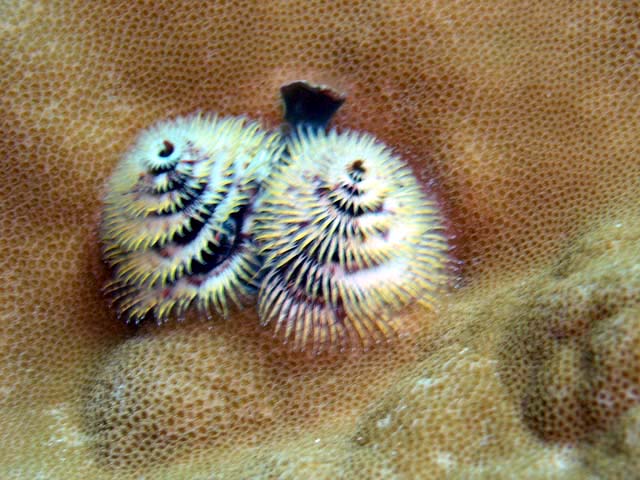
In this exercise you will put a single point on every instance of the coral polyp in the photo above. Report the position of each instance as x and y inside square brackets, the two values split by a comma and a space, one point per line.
[176, 224]
[348, 239]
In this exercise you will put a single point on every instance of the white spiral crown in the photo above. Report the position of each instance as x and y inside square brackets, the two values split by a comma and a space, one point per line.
[348, 238]
[176, 227]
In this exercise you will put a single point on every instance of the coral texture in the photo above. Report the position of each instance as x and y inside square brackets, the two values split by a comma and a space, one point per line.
[522, 116]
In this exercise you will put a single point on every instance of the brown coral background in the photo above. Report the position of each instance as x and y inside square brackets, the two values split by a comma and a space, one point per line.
[522, 116]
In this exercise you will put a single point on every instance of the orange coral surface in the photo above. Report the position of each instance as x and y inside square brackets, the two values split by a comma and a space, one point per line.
[523, 116]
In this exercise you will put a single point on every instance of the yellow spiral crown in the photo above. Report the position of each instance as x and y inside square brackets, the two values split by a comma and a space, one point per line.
[176, 227]
[348, 239]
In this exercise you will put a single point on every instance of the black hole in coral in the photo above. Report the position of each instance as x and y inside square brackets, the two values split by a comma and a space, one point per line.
[167, 150]
[309, 105]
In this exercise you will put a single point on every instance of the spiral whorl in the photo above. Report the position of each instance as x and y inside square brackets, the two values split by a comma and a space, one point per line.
[348, 239]
[176, 224]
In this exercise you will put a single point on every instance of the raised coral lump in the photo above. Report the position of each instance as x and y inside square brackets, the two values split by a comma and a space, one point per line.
[176, 223]
[348, 239]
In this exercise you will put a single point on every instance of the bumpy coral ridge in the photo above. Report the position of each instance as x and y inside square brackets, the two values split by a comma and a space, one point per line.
[581, 368]
[522, 115]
